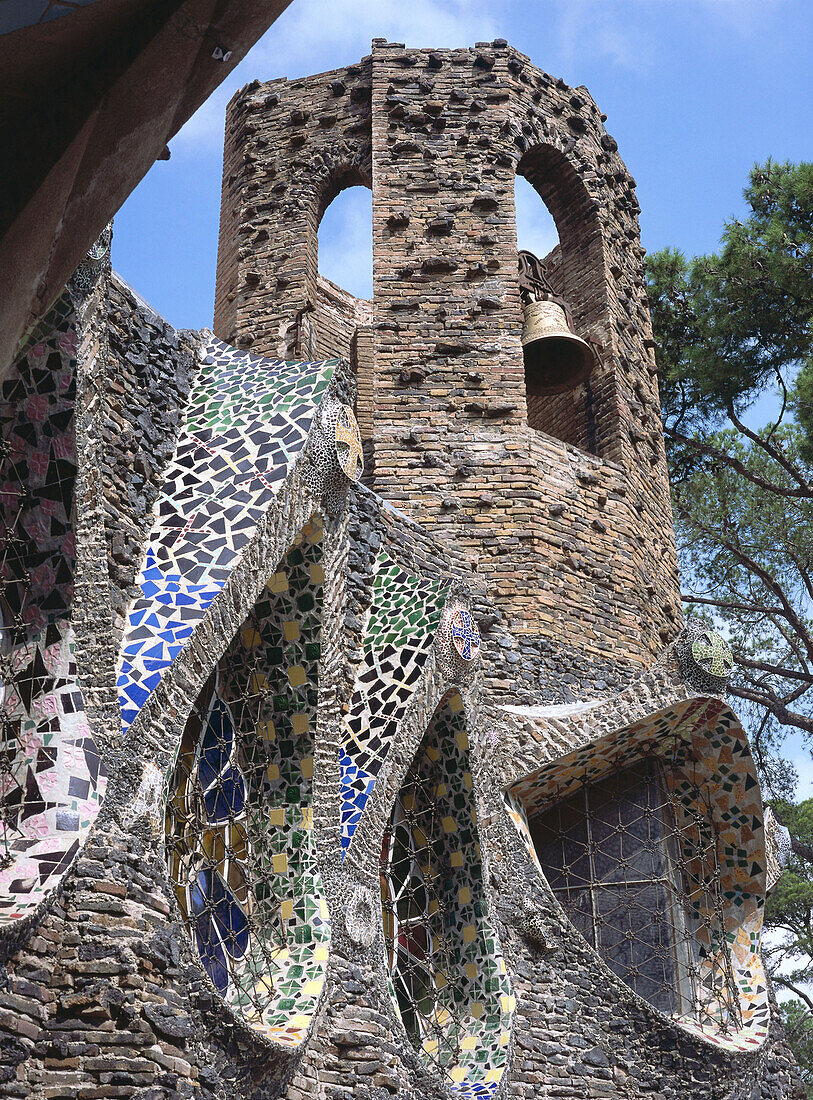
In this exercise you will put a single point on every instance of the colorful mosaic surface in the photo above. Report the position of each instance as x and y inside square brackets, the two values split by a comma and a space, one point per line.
[459, 638]
[348, 444]
[447, 973]
[713, 654]
[38, 474]
[247, 420]
[51, 778]
[240, 819]
[404, 615]
[714, 794]
[55, 782]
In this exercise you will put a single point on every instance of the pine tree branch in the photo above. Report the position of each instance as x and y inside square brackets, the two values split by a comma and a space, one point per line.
[774, 705]
[779, 670]
[804, 492]
[730, 605]
[794, 989]
[770, 582]
[774, 451]
[802, 572]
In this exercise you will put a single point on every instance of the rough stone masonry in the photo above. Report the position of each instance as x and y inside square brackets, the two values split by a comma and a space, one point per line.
[353, 744]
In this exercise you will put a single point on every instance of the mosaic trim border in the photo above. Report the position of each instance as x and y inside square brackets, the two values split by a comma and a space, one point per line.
[714, 752]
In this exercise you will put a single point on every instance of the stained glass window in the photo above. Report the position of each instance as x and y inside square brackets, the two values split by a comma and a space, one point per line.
[643, 888]
[448, 976]
[240, 818]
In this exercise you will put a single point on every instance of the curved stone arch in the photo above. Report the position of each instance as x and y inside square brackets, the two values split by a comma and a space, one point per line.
[582, 274]
[560, 145]
[576, 270]
[544, 733]
[317, 182]
[342, 172]
[712, 783]
[446, 973]
[242, 859]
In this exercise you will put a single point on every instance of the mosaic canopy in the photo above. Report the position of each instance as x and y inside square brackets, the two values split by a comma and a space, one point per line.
[716, 844]
[247, 421]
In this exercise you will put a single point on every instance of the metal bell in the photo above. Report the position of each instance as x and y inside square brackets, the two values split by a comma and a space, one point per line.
[555, 358]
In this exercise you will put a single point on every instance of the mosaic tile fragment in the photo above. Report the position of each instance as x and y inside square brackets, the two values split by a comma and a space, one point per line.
[399, 634]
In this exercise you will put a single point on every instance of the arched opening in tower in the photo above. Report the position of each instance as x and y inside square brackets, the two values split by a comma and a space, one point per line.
[342, 318]
[561, 252]
[346, 242]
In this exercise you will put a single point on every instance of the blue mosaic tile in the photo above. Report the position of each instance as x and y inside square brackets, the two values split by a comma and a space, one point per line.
[247, 421]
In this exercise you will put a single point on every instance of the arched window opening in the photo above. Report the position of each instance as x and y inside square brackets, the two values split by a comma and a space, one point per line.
[559, 363]
[239, 818]
[342, 318]
[447, 976]
[346, 241]
[536, 230]
[344, 285]
[651, 841]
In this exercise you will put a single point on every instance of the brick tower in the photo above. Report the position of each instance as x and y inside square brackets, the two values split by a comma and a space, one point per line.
[560, 505]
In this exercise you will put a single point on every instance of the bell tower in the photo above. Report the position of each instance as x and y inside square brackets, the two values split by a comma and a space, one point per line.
[507, 403]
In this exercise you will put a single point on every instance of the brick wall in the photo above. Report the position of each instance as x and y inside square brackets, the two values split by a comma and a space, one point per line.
[452, 440]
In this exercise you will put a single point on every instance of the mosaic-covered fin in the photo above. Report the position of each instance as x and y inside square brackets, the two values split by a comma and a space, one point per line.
[240, 813]
[447, 973]
[247, 421]
[399, 633]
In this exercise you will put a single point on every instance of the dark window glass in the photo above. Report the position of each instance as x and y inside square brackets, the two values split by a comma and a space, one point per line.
[609, 854]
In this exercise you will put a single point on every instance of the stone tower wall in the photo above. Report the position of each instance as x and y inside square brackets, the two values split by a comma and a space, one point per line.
[565, 518]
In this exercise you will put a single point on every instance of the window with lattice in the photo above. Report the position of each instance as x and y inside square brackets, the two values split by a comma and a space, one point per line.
[641, 883]
[448, 976]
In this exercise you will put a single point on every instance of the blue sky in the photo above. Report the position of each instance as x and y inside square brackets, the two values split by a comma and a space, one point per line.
[695, 92]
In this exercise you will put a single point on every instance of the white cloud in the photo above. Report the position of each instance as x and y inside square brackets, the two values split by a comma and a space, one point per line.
[312, 36]
[316, 35]
[315, 32]
[630, 33]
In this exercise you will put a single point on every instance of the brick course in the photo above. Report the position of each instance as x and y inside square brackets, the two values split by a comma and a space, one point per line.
[561, 506]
